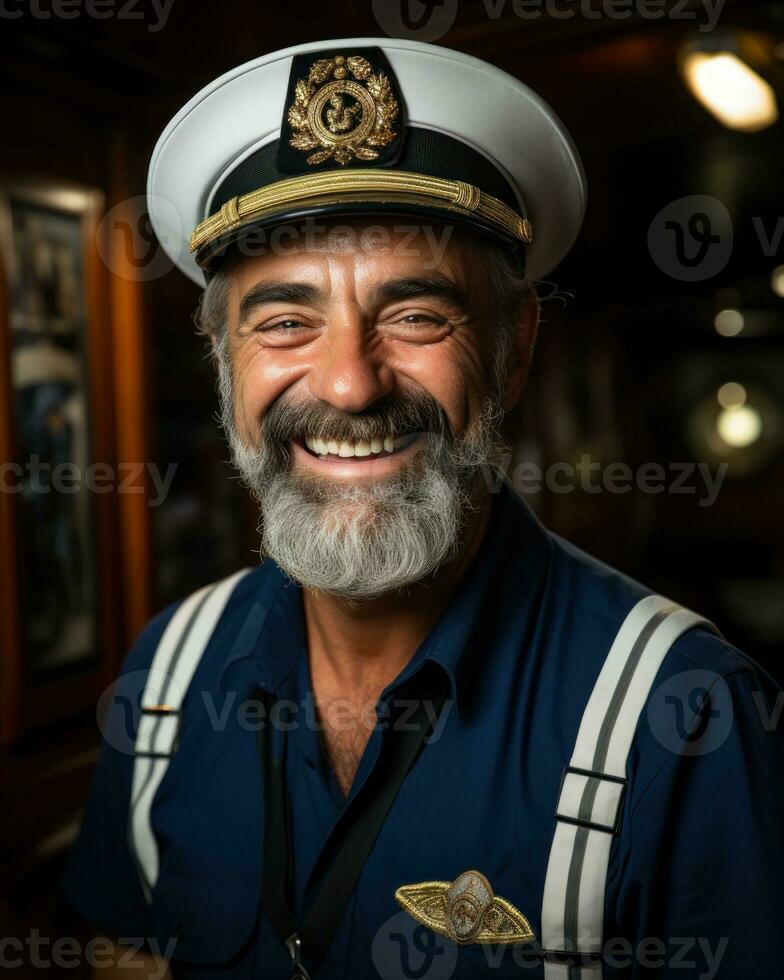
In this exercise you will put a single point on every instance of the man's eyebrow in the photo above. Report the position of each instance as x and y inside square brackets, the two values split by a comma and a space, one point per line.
[412, 287]
[275, 292]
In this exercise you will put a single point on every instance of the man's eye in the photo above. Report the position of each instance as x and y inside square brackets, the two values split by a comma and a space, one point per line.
[421, 327]
[424, 318]
[285, 325]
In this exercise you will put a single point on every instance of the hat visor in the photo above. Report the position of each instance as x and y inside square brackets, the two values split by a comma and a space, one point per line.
[278, 233]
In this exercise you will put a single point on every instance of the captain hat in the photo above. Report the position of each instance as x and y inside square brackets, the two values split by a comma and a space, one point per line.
[365, 126]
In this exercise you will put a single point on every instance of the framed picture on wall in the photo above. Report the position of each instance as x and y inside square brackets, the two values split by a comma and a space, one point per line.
[56, 434]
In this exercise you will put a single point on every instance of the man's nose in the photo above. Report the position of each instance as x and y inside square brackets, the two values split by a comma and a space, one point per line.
[348, 371]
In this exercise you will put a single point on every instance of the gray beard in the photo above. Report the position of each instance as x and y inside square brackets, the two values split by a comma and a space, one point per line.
[366, 540]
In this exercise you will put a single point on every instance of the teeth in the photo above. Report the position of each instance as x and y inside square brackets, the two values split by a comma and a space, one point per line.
[362, 447]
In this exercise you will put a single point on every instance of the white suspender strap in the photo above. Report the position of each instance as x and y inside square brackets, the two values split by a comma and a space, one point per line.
[173, 665]
[593, 786]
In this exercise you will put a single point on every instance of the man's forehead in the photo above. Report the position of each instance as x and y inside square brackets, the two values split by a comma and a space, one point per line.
[372, 250]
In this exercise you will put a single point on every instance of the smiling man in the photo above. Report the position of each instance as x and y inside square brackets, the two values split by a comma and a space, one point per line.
[424, 737]
[362, 402]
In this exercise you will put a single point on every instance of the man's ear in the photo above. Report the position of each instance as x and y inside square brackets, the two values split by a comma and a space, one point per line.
[522, 353]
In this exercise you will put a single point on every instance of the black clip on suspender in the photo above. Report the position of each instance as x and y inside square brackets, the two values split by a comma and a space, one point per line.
[298, 971]
[368, 812]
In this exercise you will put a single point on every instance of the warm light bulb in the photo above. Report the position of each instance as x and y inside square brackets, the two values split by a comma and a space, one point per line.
[729, 323]
[739, 427]
[777, 280]
[731, 90]
[731, 395]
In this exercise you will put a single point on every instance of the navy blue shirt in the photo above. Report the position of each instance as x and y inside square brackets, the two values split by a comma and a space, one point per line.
[695, 874]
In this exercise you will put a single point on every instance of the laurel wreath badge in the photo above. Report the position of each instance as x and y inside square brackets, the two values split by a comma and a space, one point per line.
[343, 110]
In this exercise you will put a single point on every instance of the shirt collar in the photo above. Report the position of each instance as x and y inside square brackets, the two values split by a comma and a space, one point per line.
[515, 543]
[272, 633]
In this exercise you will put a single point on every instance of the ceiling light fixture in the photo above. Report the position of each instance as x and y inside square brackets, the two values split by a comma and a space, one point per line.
[724, 82]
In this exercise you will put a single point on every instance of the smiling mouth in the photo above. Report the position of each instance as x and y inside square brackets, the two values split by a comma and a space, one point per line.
[360, 449]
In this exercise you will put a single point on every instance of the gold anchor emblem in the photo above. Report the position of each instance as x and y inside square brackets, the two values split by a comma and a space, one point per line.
[465, 910]
[348, 116]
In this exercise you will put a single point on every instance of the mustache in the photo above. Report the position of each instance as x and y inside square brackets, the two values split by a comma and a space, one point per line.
[400, 414]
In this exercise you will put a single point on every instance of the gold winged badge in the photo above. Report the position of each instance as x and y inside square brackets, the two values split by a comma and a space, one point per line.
[465, 910]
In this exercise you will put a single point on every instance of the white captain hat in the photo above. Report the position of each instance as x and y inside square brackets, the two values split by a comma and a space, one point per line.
[365, 126]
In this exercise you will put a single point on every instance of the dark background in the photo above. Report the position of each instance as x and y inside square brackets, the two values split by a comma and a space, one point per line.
[627, 355]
